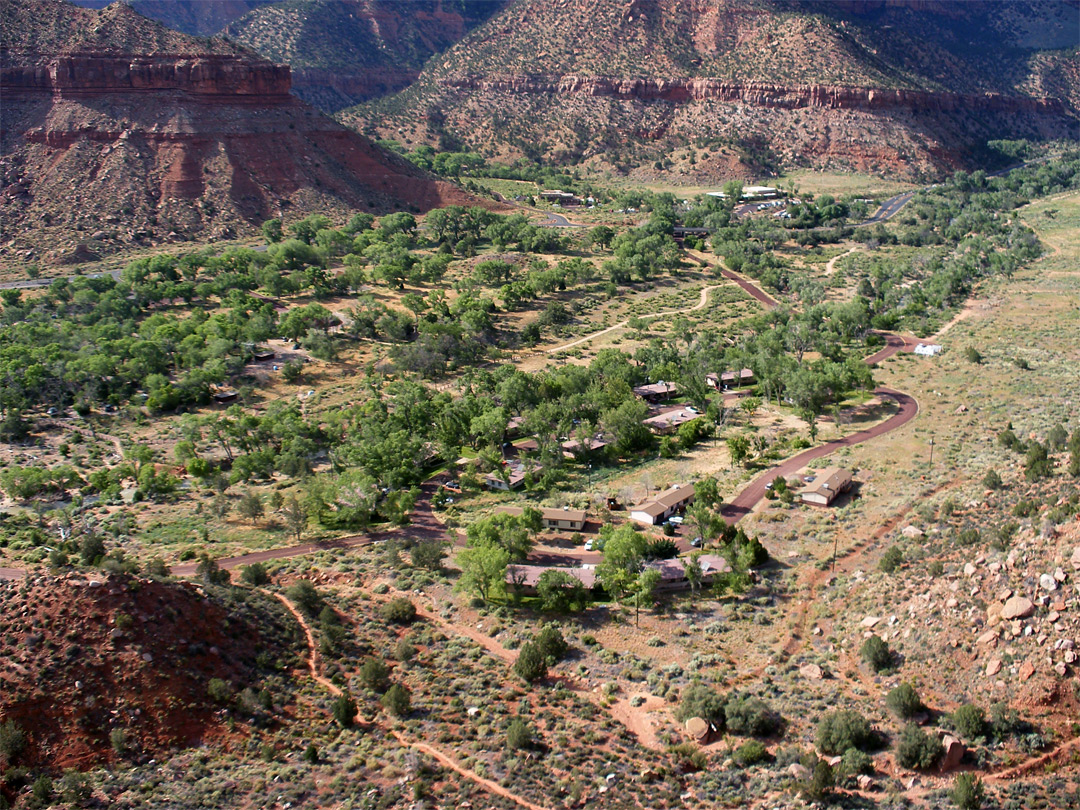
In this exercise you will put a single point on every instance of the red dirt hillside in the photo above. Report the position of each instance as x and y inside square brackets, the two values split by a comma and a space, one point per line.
[120, 133]
[84, 656]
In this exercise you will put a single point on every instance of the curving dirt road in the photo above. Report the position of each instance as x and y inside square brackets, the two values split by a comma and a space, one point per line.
[592, 335]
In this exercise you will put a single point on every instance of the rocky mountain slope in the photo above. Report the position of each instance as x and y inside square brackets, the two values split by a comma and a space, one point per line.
[108, 665]
[118, 132]
[345, 51]
[870, 84]
[201, 18]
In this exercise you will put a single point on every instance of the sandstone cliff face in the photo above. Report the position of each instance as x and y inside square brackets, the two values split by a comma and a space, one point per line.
[107, 149]
[81, 75]
[761, 95]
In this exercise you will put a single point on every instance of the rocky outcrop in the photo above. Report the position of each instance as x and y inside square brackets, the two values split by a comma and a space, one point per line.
[105, 148]
[759, 95]
[77, 75]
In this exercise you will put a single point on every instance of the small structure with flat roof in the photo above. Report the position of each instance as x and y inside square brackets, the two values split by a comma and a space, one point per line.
[566, 519]
[523, 578]
[730, 379]
[663, 506]
[514, 477]
[657, 391]
[826, 485]
[670, 420]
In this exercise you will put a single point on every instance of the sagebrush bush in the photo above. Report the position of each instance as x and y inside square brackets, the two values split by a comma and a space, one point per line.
[876, 653]
[904, 701]
[917, 749]
[840, 730]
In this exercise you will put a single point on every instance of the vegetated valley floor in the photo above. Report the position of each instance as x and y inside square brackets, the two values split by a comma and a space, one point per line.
[792, 641]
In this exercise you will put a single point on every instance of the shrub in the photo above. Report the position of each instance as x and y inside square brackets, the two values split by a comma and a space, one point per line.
[992, 480]
[936, 568]
[220, 691]
[306, 597]
[876, 653]
[750, 753]
[699, 700]
[519, 735]
[904, 701]
[967, 792]
[688, 757]
[748, 715]
[551, 643]
[820, 783]
[855, 762]
[374, 674]
[397, 700]
[969, 721]
[404, 650]
[118, 740]
[843, 729]
[428, 554]
[891, 559]
[917, 749]
[344, 711]
[255, 574]
[399, 611]
[311, 754]
[12, 741]
[972, 355]
[531, 664]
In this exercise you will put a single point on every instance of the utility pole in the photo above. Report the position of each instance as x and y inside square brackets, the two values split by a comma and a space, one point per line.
[835, 548]
[931, 451]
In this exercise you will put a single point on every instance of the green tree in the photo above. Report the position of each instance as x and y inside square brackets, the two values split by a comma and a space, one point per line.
[397, 700]
[739, 448]
[428, 554]
[255, 574]
[272, 231]
[840, 730]
[296, 516]
[483, 570]
[560, 592]
[531, 664]
[891, 559]
[250, 506]
[344, 711]
[374, 674]
[624, 556]
[876, 653]
[904, 701]
[306, 596]
[12, 742]
[519, 735]
[970, 722]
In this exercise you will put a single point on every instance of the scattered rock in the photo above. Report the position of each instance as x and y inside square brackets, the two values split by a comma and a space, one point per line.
[969, 569]
[1027, 669]
[989, 637]
[1048, 583]
[994, 667]
[864, 782]
[1075, 559]
[798, 771]
[912, 532]
[811, 672]
[870, 621]
[1017, 607]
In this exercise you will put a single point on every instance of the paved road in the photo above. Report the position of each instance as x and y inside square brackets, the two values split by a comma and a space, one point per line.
[890, 208]
[557, 221]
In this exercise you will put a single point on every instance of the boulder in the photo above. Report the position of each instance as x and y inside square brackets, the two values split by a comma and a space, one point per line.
[798, 771]
[1048, 583]
[1017, 607]
[913, 532]
[1075, 559]
[811, 672]
[870, 621]
[1027, 669]
[954, 752]
[993, 667]
[864, 782]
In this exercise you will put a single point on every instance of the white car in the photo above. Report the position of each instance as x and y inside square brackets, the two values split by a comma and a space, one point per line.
[675, 520]
[588, 545]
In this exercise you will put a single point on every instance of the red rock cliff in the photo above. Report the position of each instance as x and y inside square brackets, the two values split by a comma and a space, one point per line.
[75, 75]
[756, 94]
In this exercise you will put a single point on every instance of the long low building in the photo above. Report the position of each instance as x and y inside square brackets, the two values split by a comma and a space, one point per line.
[730, 379]
[663, 506]
[826, 485]
[523, 578]
[654, 392]
[566, 518]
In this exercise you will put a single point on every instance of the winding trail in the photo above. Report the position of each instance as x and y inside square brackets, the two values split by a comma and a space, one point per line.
[702, 301]
[444, 759]
[830, 265]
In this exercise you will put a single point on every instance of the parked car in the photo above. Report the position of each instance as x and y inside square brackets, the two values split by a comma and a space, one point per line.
[675, 520]
[588, 545]
[696, 542]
